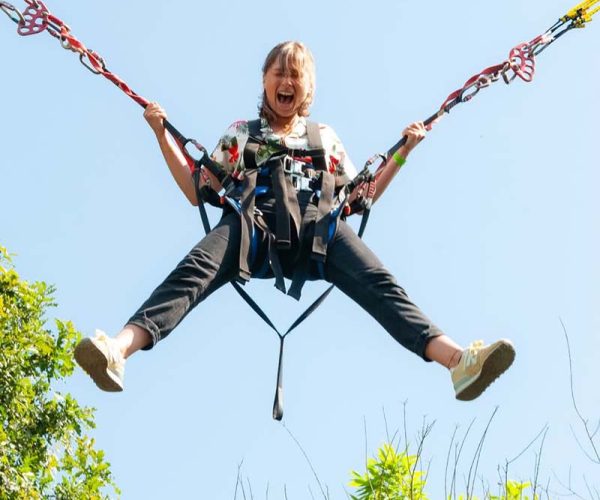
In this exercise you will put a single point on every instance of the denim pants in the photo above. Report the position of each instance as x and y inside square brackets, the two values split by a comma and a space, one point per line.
[350, 265]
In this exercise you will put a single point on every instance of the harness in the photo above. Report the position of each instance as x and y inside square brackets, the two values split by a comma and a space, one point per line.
[282, 177]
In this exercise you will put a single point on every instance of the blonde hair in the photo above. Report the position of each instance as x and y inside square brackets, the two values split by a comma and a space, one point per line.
[290, 55]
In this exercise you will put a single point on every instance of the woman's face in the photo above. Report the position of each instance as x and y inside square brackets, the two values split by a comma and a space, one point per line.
[285, 88]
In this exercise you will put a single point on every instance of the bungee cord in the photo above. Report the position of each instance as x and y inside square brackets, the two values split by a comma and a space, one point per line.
[36, 18]
[520, 63]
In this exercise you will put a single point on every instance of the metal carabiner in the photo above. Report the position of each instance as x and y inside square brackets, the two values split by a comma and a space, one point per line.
[91, 58]
[484, 81]
[86, 64]
[12, 12]
[467, 93]
[373, 159]
[504, 72]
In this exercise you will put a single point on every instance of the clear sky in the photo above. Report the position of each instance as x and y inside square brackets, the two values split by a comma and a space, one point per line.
[492, 228]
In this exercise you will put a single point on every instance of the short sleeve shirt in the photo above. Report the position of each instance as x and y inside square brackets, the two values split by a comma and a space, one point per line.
[229, 150]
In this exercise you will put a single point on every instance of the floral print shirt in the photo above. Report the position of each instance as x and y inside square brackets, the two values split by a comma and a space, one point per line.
[229, 150]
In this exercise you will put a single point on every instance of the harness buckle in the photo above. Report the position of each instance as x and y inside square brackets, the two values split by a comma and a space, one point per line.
[291, 166]
[301, 183]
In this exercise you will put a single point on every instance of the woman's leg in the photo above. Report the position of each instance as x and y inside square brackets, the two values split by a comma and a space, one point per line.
[211, 263]
[444, 351]
[131, 339]
[355, 270]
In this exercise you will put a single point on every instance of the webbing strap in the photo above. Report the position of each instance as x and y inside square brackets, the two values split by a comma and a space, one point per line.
[328, 185]
[324, 208]
[247, 214]
[286, 205]
[315, 144]
[273, 255]
[278, 402]
[200, 196]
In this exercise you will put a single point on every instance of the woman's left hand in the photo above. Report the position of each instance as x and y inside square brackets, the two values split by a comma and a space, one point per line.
[414, 134]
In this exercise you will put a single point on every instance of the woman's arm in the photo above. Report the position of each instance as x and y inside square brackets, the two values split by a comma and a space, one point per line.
[173, 156]
[414, 133]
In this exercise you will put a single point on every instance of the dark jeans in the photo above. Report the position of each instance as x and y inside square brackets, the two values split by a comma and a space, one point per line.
[351, 266]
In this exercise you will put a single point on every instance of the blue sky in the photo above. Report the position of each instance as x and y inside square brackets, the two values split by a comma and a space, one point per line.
[491, 228]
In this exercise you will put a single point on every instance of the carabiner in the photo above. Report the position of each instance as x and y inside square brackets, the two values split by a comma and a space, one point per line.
[89, 65]
[504, 72]
[467, 93]
[12, 12]
[373, 159]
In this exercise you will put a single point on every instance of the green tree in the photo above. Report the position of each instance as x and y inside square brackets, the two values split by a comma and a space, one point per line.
[44, 449]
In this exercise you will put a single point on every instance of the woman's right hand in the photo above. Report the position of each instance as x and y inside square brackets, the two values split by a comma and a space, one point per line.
[154, 115]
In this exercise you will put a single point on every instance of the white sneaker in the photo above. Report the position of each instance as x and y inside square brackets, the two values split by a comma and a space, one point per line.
[102, 360]
[479, 366]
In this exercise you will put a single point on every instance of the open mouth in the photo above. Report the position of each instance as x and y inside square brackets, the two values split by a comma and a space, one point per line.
[285, 98]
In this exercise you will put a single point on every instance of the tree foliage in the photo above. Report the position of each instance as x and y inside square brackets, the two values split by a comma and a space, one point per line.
[394, 475]
[391, 475]
[44, 449]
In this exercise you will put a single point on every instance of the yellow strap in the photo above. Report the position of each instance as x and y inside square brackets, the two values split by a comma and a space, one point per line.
[581, 13]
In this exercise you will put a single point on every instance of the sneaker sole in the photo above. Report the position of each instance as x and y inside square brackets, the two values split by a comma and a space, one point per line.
[95, 364]
[495, 365]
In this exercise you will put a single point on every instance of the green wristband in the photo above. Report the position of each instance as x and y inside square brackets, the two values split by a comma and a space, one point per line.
[399, 160]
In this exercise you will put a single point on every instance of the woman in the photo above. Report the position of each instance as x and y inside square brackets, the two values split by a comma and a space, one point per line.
[302, 167]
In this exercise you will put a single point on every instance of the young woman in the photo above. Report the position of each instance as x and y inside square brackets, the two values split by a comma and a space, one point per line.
[301, 167]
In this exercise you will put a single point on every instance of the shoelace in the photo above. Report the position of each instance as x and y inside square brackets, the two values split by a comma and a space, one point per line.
[115, 358]
[470, 353]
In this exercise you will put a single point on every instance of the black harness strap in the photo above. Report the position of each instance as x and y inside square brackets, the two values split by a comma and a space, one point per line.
[273, 255]
[323, 220]
[286, 202]
[325, 205]
[247, 210]
[315, 144]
